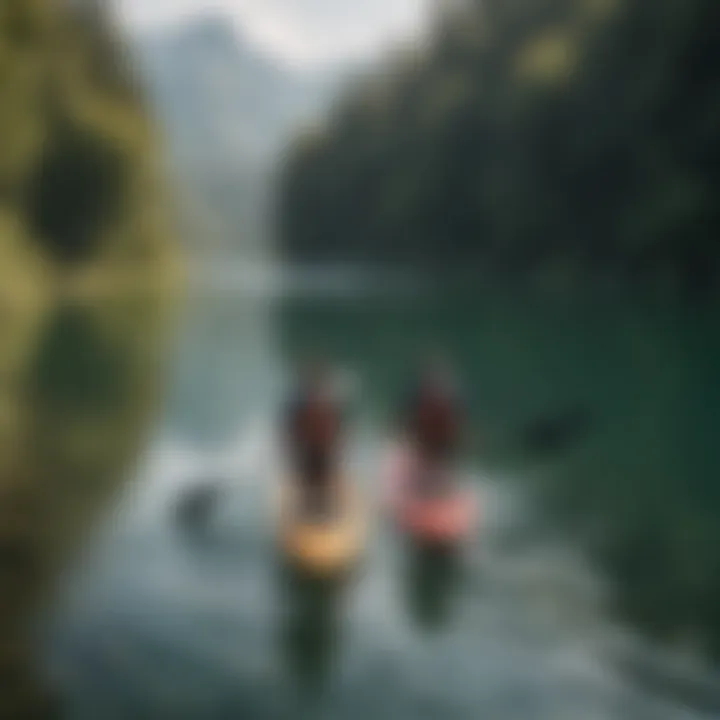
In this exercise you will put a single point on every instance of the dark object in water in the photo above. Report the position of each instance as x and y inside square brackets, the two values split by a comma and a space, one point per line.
[196, 505]
[310, 630]
[553, 433]
[432, 575]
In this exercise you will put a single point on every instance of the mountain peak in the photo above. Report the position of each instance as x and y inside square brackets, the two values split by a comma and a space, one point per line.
[212, 29]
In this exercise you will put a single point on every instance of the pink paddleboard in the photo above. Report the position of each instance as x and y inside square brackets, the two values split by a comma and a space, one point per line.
[438, 520]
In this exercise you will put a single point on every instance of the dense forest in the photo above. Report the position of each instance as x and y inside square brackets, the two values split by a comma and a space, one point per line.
[552, 140]
[87, 271]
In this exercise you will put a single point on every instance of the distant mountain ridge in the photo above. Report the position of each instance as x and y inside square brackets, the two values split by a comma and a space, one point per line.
[222, 100]
[226, 108]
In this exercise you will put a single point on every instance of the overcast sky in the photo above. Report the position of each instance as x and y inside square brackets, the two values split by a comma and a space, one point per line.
[302, 31]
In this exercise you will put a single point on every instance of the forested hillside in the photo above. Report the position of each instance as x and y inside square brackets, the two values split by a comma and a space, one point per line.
[557, 140]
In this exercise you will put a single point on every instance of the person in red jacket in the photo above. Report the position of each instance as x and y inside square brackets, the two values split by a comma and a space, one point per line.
[433, 418]
[312, 428]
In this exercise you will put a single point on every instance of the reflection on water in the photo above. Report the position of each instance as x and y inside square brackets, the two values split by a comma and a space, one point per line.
[311, 627]
[92, 389]
[76, 412]
[76, 370]
[166, 624]
[608, 407]
[432, 578]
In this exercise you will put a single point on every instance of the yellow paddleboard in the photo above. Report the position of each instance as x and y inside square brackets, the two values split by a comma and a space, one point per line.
[322, 548]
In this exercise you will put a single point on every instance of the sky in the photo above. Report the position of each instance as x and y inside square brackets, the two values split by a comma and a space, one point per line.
[301, 32]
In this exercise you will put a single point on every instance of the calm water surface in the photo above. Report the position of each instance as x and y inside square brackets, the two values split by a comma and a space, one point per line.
[160, 622]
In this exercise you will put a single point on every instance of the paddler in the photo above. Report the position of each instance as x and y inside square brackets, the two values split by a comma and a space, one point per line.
[432, 421]
[312, 430]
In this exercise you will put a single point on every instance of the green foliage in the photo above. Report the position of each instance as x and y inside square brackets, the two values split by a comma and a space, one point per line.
[76, 153]
[77, 190]
[529, 135]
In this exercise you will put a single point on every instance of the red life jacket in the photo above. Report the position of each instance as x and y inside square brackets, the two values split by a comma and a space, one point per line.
[436, 419]
[318, 423]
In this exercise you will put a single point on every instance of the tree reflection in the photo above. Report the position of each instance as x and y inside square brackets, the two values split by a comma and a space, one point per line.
[77, 413]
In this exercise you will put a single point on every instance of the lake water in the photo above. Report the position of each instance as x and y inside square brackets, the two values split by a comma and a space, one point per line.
[161, 622]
